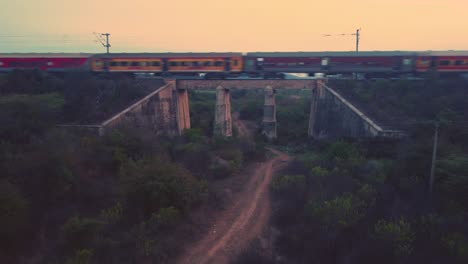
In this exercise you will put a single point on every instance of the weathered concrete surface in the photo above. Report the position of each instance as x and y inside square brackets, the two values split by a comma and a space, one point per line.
[166, 110]
[223, 120]
[156, 111]
[183, 111]
[332, 116]
[269, 114]
[246, 84]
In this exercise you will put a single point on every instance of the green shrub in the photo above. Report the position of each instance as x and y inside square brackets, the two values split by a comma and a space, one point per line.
[342, 212]
[14, 210]
[112, 214]
[398, 232]
[80, 232]
[82, 256]
[289, 184]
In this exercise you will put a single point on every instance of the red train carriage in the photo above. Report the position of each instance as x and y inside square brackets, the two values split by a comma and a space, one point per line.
[391, 62]
[450, 63]
[279, 62]
[46, 62]
[370, 64]
[443, 62]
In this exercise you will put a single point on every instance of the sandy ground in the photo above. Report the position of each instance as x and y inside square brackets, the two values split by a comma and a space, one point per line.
[244, 219]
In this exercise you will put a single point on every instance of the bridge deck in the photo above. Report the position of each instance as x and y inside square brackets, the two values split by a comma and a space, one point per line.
[246, 84]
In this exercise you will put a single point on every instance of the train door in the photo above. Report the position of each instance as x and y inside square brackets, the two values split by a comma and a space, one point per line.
[325, 63]
[407, 64]
[260, 64]
[227, 64]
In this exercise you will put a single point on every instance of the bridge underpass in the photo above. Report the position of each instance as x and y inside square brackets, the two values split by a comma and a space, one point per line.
[166, 110]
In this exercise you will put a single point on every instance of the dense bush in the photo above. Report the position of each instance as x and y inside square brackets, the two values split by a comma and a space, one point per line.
[369, 202]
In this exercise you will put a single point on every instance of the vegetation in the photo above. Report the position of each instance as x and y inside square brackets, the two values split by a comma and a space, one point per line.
[122, 198]
[127, 197]
[368, 202]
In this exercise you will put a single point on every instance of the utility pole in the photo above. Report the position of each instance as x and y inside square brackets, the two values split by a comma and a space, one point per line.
[104, 42]
[434, 155]
[107, 41]
[357, 39]
[357, 34]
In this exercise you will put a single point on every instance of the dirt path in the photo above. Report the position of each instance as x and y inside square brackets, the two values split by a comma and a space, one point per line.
[242, 221]
[242, 126]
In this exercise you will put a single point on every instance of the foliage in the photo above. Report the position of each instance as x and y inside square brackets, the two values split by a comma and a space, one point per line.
[14, 214]
[398, 232]
[289, 184]
[82, 256]
[342, 212]
[23, 117]
[151, 184]
[79, 232]
[112, 214]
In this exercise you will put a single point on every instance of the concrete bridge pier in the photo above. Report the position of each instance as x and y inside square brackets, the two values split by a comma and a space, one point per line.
[183, 112]
[269, 114]
[223, 121]
[318, 93]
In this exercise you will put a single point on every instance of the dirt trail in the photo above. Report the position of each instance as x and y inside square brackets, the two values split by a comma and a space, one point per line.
[244, 128]
[243, 220]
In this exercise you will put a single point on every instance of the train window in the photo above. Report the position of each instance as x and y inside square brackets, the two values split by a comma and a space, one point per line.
[407, 61]
[444, 63]
[98, 63]
[281, 64]
[301, 63]
[195, 64]
[459, 62]
[424, 62]
[156, 63]
[113, 63]
[134, 63]
[207, 63]
[235, 62]
[124, 63]
[218, 63]
[325, 61]
[173, 63]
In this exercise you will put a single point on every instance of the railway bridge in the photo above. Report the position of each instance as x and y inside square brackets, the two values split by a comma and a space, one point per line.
[166, 110]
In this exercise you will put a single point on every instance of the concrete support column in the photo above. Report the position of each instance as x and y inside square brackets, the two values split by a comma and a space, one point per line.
[183, 112]
[317, 94]
[223, 121]
[165, 118]
[269, 114]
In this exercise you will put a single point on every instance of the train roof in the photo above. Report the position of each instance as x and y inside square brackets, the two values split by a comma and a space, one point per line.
[448, 53]
[170, 54]
[331, 53]
[45, 55]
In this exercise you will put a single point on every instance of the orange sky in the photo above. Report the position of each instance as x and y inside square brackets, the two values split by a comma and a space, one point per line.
[227, 25]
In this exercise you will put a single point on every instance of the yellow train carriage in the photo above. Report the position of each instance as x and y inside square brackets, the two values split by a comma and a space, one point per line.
[135, 65]
[222, 63]
[127, 65]
[207, 64]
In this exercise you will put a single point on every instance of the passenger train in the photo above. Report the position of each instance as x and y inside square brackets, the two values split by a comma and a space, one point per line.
[258, 64]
